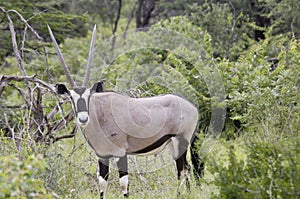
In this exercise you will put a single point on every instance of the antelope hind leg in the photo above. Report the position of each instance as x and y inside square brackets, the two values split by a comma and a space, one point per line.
[179, 150]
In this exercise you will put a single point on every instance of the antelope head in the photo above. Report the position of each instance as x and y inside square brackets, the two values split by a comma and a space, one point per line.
[79, 95]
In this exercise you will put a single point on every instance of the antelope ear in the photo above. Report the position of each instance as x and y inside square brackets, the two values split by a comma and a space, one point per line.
[61, 89]
[97, 88]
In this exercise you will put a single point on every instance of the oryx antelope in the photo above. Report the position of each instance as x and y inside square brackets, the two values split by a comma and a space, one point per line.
[116, 125]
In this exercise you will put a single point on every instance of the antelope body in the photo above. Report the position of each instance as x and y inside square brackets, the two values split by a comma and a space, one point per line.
[116, 125]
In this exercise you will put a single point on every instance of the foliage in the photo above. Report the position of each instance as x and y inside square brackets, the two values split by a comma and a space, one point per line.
[19, 177]
[153, 71]
[259, 80]
[71, 172]
[284, 16]
[37, 14]
[269, 170]
[235, 25]
[263, 99]
[231, 29]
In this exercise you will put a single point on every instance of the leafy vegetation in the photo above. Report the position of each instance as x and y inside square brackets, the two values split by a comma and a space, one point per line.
[237, 61]
[19, 179]
[269, 170]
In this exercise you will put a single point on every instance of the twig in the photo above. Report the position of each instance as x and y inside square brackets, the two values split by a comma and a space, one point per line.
[129, 21]
[63, 137]
[11, 130]
[61, 123]
[109, 13]
[5, 79]
[22, 93]
[15, 45]
[117, 18]
[23, 41]
[27, 25]
[115, 27]
[9, 127]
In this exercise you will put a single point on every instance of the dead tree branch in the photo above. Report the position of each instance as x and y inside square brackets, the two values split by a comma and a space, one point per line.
[32, 120]
[6, 79]
[39, 123]
[15, 45]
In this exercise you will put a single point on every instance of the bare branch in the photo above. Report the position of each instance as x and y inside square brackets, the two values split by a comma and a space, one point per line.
[131, 16]
[116, 26]
[109, 14]
[2, 10]
[22, 93]
[5, 79]
[15, 45]
[27, 24]
[117, 18]
[23, 41]
[11, 129]
[36, 124]
[129, 20]
[61, 123]
[71, 135]
[52, 113]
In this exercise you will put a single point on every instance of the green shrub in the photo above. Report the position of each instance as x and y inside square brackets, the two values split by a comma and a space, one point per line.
[268, 170]
[20, 178]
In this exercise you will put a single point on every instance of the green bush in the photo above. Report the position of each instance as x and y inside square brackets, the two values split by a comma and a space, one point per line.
[20, 178]
[268, 170]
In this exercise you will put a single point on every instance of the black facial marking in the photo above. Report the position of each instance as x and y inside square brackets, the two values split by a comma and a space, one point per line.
[81, 105]
[79, 90]
[83, 121]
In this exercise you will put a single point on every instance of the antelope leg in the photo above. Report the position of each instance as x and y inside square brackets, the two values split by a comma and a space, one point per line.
[123, 175]
[103, 176]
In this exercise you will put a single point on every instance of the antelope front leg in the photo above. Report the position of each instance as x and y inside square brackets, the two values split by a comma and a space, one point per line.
[103, 176]
[123, 175]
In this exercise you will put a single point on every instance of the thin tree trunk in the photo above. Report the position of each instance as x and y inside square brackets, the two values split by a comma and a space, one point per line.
[143, 13]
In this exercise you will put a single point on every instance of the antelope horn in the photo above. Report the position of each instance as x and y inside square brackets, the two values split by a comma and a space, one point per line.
[62, 60]
[90, 59]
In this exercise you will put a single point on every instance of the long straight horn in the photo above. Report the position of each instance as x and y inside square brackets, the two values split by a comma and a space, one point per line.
[90, 59]
[62, 60]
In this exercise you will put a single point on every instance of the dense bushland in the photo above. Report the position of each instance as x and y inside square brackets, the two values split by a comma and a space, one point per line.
[242, 75]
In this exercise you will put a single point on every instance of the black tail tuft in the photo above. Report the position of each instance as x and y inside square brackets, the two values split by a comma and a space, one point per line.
[198, 164]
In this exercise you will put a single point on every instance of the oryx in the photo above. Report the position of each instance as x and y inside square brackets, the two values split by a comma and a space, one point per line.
[116, 125]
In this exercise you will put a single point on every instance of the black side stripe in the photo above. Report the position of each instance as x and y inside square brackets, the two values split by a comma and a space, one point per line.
[155, 145]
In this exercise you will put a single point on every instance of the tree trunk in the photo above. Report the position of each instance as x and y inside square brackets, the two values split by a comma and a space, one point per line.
[143, 13]
[260, 20]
